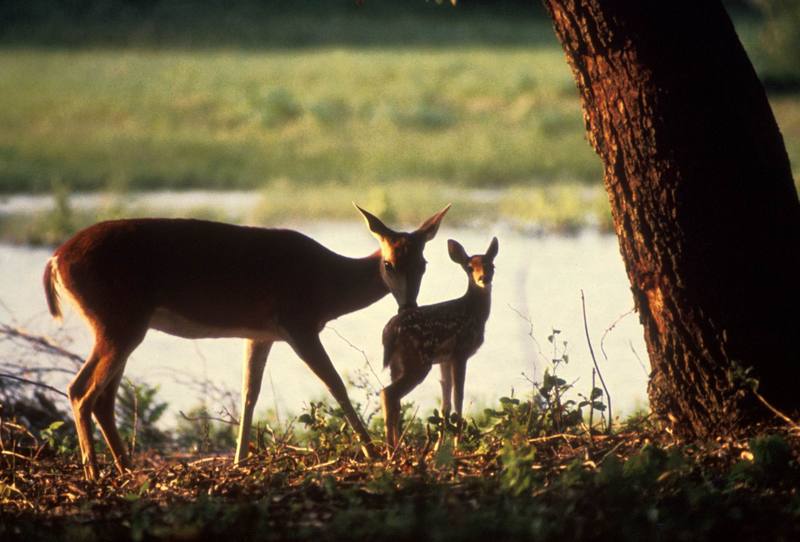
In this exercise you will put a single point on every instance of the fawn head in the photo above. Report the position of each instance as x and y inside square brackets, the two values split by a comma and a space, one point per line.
[402, 261]
[479, 268]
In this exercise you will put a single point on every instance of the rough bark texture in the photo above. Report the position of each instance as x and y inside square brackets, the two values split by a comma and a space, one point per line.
[703, 201]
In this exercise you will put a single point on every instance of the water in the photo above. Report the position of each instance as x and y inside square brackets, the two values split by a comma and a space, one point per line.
[538, 282]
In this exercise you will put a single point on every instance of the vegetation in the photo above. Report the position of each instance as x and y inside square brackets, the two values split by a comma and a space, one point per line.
[406, 103]
[311, 109]
[119, 96]
[544, 467]
[515, 475]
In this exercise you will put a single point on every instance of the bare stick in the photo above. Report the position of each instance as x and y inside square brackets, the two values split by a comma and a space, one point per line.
[527, 319]
[135, 414]
[40, 343]
[403, 434]
[206, 418]
[594, 360]
[362, 352]
[777, 412]
[34, 383]
[610, 328]
[636, 355]
[591, 405]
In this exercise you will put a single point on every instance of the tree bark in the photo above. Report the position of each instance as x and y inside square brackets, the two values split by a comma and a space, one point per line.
[703, 202]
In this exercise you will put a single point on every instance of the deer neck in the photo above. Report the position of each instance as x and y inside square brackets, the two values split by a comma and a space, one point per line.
[361, 285]
[479, 300]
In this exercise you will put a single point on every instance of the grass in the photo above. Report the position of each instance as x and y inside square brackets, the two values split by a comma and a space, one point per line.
[144, 119]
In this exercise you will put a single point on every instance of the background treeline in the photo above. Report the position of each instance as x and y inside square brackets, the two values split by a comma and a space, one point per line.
[264, 23]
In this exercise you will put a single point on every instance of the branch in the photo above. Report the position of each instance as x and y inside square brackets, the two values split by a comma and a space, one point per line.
[594, 360]
[205, 417]
[34, 383]
[610, 328]
[362, 352]
[40, 343]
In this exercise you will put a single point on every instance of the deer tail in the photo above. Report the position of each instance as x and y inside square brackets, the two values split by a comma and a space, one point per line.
[50, 291]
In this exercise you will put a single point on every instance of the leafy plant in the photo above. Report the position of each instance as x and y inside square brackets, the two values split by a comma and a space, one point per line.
[326, 428]
[453, 427]
[518, 475]
[197, 430]
[138, 411]
[770, 462]
[58, 438]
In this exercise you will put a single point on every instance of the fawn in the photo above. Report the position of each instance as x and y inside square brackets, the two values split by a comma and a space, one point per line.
[448, 333]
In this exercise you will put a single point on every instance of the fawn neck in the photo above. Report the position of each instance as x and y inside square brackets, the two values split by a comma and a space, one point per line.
[479, 299]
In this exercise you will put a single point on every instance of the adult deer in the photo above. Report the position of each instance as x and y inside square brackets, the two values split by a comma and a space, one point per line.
[448, 333]
[197, 279]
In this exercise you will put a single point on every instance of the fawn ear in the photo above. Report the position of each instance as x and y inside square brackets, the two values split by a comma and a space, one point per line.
[492, 251]
[378, 228]
[429, 228]
[457, 252]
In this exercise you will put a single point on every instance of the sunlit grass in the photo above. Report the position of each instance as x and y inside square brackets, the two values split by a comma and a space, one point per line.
[239, 119]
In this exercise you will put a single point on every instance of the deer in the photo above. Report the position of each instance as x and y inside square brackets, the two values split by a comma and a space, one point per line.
[447, 333]
[202, 279]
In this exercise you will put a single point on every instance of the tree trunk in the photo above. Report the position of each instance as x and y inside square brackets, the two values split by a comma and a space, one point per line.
[703, 202]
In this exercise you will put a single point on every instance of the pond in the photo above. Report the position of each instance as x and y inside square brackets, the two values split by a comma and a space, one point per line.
[537, 288]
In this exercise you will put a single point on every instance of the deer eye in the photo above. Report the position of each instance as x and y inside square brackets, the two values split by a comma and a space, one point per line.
[388, 266]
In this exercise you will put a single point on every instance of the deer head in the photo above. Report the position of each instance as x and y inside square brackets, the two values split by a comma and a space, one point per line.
[479, 268]
[402, 260]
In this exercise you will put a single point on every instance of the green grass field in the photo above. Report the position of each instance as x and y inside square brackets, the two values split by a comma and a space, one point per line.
[239, 119]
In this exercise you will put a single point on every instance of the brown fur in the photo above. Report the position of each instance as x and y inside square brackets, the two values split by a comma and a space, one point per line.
[50, 291]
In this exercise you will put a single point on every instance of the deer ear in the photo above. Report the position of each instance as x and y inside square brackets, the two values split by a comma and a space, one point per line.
[429, 228]
[457, 252]
[378, 228]
[492, 251]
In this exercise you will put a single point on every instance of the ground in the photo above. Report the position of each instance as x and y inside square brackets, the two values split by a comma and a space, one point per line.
[637, 483]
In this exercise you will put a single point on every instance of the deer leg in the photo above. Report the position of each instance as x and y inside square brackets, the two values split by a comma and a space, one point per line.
[447, 393]
[102, 369]
[310, 350]
[458, 369]
[82, 413]
[255, 360]
[459, 373]
[391, 396]
[447, 386]
[105, 416]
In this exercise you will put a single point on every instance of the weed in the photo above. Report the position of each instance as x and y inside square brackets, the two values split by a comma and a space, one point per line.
[58, 438]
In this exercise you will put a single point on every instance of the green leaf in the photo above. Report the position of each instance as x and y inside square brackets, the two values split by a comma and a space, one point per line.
[444, 456]
[306, 419]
